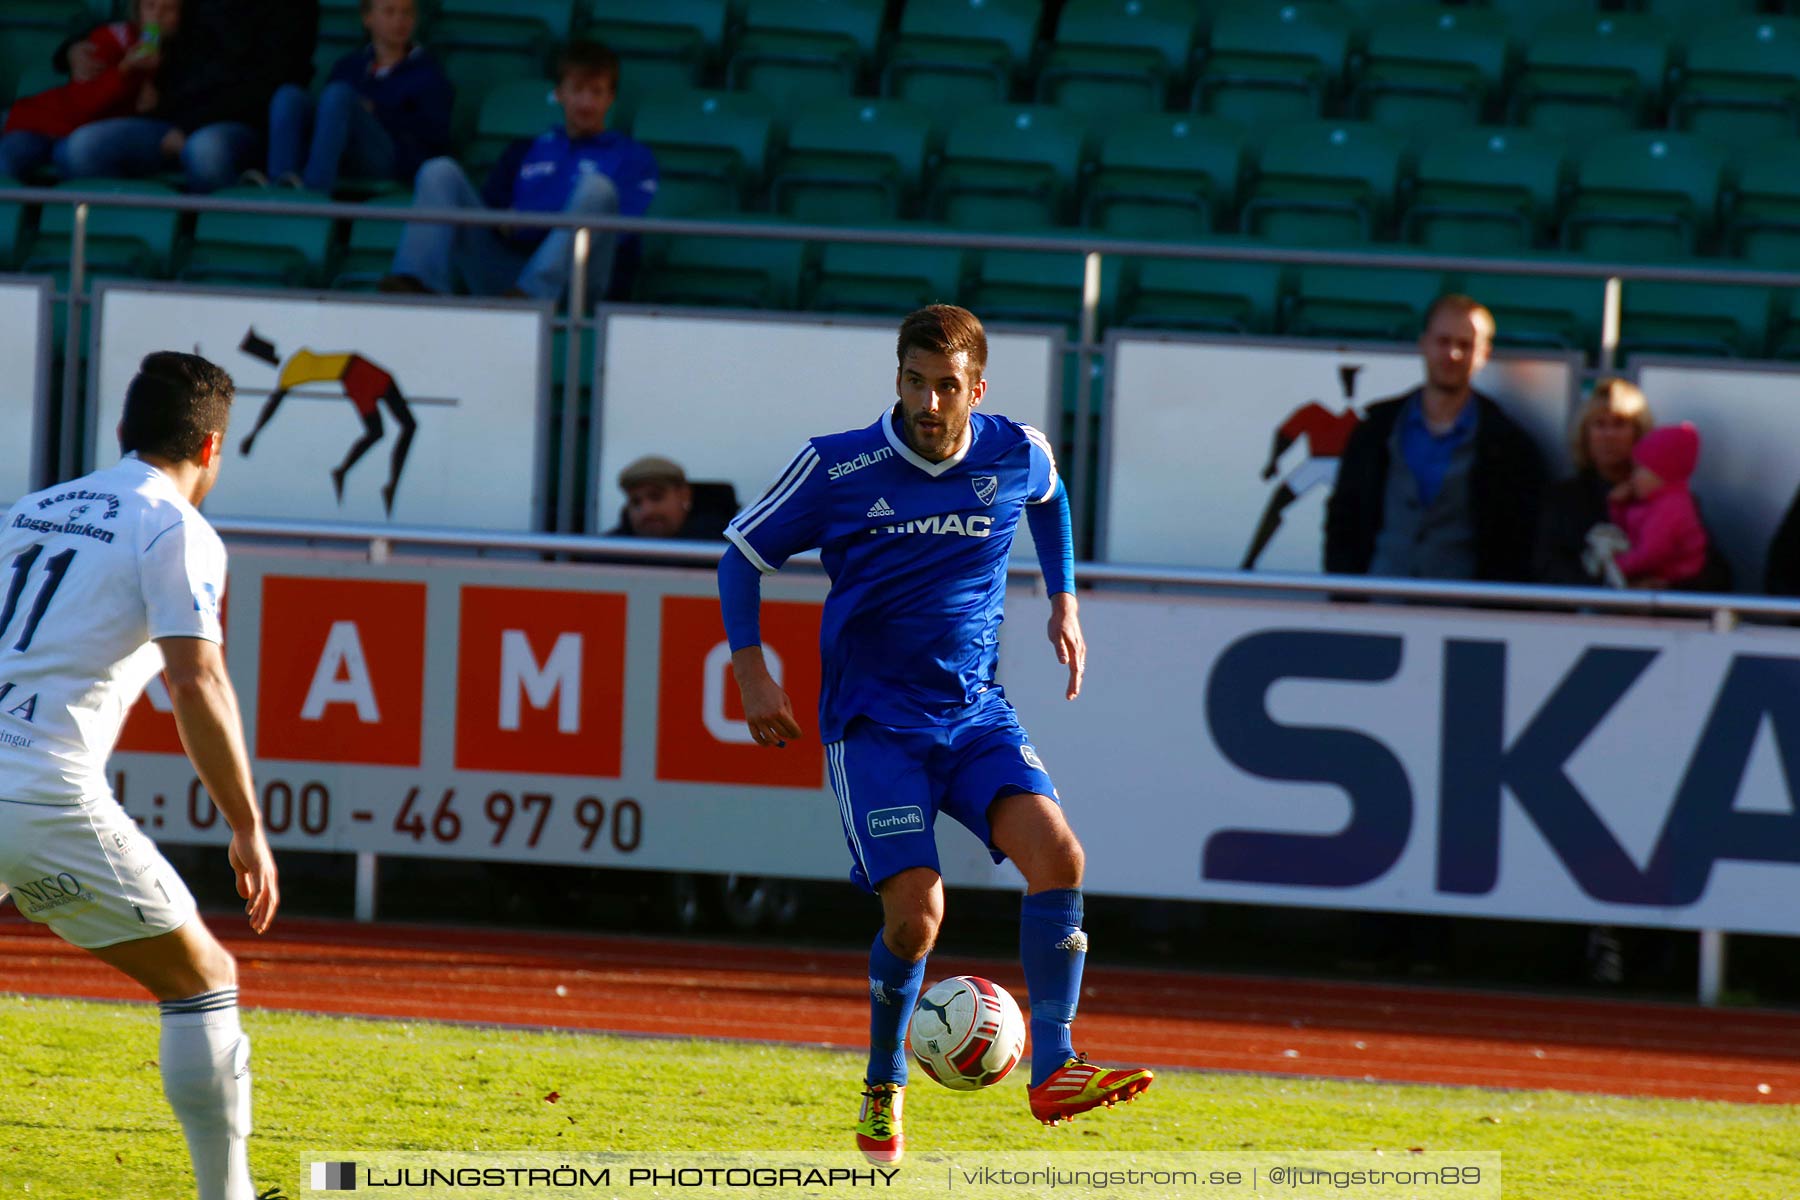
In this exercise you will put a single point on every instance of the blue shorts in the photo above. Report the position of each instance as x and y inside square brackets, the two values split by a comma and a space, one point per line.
[891, 783]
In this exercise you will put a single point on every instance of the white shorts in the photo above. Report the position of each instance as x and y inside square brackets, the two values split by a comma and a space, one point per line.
[1310, 474]
[87, 872]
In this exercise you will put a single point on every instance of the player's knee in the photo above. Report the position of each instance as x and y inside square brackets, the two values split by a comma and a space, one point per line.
[437, 178]
[594, 193]
[911, 937]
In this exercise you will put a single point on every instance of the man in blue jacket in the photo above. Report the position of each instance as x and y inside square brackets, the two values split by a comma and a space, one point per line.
[384, 112]
[581, 167]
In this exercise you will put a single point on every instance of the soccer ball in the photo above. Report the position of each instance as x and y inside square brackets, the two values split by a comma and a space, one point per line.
[967, 1033]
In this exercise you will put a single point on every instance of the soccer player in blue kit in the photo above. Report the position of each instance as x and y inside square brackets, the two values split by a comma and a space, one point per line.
[915, 515]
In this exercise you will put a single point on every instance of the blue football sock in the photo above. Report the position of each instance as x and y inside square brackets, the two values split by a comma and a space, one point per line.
[893, 990]
[1052, 949]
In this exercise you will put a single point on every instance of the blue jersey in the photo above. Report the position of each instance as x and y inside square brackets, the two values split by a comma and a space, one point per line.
[917, 554]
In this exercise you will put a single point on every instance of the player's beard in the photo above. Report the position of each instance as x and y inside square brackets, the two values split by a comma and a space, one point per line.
[935, 446]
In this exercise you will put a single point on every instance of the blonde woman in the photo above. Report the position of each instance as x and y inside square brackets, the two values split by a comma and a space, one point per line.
[1606, 430]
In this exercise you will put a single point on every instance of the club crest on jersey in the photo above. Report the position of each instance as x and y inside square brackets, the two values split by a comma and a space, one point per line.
[985, 487]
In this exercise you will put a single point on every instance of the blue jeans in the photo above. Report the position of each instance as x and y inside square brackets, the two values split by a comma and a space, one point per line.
[22, 153]
[127, 147]
[488, 264]
[336, 134]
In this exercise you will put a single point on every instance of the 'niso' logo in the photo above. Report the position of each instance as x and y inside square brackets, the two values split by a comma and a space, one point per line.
[886, 822]
[866, 459]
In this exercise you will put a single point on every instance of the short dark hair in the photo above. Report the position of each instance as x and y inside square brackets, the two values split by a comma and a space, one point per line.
[944, 329]
[1462, 306]
[173, 403]
[586, 57]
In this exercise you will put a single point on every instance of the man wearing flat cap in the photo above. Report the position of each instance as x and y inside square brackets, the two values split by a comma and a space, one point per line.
[659, 503]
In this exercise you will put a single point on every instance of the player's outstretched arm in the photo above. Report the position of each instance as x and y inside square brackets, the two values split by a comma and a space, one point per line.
[212, 730]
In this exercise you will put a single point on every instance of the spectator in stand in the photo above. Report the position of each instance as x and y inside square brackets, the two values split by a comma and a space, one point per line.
[1667, 542]
[1781, 575]
[580, 167]
[1607, 430]
[661, 503]
[385, 111]
[1609, 425]
[117, 60]
[206, 108]
[1439, 483]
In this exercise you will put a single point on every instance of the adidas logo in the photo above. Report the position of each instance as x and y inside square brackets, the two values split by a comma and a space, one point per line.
[881, 508]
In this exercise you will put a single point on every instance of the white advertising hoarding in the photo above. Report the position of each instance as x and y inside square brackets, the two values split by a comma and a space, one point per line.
[24, 394]
[1749, 420]
[1422, 759]
[1512, 765]
[1191, 423]
[371, 409]
[735, 397]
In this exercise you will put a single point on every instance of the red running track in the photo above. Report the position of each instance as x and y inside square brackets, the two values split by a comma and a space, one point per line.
[1161, 1018]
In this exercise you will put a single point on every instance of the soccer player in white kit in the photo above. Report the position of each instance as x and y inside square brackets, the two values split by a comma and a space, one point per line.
[103, 582]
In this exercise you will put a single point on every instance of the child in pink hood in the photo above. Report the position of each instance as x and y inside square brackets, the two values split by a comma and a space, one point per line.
[1656, 510]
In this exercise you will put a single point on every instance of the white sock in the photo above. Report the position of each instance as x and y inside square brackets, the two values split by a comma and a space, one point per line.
[206, 1077]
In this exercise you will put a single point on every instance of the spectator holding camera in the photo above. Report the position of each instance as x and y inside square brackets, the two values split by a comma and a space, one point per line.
[110, 68]
[206, 109]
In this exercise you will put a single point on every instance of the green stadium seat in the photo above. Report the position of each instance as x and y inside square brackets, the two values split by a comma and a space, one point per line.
[502, 22]
[368, 253]
[1164, 175]
[642, 78]
[1032, 287]
[519, 108]
[1763, 206]
[24, 48]
[1691, 18]
[1645, 196]
[870, 277]
[1199, 296]
[712, 146]
[1009, 166]
[691, 32]
[1741, 86]
[1485, 190]
[853, 161]
[723, 271]
[954, 55]
[1356, 302]
[268, 250]
[1526, 17]
[796, 52]
[1431, 68]
[1589, 75]
[1270, 64]
[1710, 319]
[478, 70]
[1325, 183]
[12, 225]
[63, 16]
[1118, 55]
[121, 242]
[1541, 312]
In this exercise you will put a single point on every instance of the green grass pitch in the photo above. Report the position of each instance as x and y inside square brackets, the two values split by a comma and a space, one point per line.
[82, 1113]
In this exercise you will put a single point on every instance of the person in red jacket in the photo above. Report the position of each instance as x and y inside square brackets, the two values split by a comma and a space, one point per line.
[1656, 510]
[120, 58]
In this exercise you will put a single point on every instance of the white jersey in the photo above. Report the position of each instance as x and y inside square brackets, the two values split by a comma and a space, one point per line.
[91, 572]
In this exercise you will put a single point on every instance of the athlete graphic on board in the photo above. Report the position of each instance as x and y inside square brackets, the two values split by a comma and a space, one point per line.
[365, 385]
[1326, 433]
